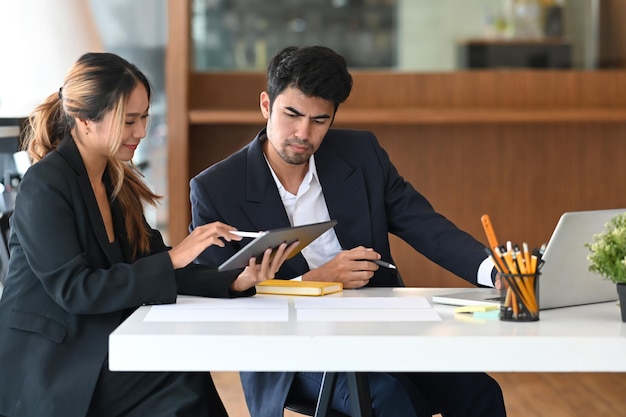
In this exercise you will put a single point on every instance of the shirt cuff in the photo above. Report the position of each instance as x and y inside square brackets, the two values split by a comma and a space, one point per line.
[485, 270]
[296, 278]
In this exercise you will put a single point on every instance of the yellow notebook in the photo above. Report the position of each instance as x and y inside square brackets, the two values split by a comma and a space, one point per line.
[287, 287]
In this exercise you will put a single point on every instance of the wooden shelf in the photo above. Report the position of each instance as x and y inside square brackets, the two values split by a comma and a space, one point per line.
[226, 117]
[429, 116]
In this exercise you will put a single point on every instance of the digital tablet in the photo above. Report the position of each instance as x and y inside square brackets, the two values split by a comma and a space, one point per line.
[305, 234]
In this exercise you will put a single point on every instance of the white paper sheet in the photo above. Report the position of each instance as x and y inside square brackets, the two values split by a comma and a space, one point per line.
[221, 309]
[365, 309]
[360, 314]
[225, 303]
[362, 302]
[272, 309]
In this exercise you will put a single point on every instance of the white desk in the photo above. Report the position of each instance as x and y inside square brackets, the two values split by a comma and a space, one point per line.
[577, 339]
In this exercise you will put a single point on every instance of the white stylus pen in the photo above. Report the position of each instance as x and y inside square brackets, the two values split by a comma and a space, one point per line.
[247, 234]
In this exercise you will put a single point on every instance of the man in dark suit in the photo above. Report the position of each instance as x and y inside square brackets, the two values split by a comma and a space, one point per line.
[297, 171]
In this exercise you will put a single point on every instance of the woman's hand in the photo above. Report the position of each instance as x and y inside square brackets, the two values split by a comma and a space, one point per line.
[270, 264]
[198, 240]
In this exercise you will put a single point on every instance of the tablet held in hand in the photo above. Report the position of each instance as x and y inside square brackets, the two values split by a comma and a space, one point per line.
[304, 234]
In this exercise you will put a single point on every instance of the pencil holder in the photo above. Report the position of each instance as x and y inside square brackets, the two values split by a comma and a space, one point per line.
[522, 297]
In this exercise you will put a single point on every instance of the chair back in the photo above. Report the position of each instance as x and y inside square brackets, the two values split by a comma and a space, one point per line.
[4, 246]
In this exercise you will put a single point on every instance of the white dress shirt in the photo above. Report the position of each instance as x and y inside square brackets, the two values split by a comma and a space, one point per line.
[309, 206]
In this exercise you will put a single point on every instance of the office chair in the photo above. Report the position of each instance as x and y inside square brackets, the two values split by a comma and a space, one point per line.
[4, 247]
[307, 407]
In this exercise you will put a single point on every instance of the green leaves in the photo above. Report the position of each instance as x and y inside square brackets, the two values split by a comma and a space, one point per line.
[607, 255]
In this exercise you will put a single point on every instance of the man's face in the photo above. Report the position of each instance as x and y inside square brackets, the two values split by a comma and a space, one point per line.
[296, 124]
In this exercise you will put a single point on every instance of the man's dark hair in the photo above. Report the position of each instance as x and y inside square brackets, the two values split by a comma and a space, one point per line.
[317, 71]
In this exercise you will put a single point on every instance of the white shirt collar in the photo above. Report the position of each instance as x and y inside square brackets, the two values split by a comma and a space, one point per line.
[311, 175]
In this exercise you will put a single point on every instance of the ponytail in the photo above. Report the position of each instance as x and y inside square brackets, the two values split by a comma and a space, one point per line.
[47, 125]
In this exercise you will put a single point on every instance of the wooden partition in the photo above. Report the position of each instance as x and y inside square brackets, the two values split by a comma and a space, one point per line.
[522, 146]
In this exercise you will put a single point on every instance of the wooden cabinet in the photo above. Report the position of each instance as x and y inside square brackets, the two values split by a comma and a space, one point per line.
[523, 146]
[524, 53]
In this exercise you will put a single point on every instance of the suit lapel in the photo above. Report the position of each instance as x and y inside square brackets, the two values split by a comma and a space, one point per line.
[70, 153]
[120, 229]
[346, 194]
[263, 205]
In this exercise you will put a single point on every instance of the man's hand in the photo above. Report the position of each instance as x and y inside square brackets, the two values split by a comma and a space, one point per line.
[351, 267]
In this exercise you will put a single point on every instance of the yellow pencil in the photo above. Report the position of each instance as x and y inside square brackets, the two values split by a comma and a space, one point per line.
[527, 257]
[489, 232]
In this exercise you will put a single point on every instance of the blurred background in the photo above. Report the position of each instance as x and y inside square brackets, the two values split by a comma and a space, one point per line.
[241, 35]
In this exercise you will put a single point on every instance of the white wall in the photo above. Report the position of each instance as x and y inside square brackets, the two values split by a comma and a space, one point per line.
[428, 30]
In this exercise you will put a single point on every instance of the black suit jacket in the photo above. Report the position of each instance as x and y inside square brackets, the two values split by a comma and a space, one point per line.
[64, 294]
[363, 192]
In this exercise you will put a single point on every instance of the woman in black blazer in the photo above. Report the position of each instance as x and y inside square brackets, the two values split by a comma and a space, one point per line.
[83, 258]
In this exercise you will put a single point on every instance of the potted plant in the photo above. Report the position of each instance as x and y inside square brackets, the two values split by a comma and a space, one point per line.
[607, 256]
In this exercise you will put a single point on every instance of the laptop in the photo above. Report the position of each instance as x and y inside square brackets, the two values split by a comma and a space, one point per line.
[565, 277]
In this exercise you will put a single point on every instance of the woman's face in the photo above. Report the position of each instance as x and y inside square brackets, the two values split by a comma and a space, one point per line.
[134, 127]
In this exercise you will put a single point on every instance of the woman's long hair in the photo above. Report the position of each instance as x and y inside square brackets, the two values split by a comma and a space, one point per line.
[96, 84]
